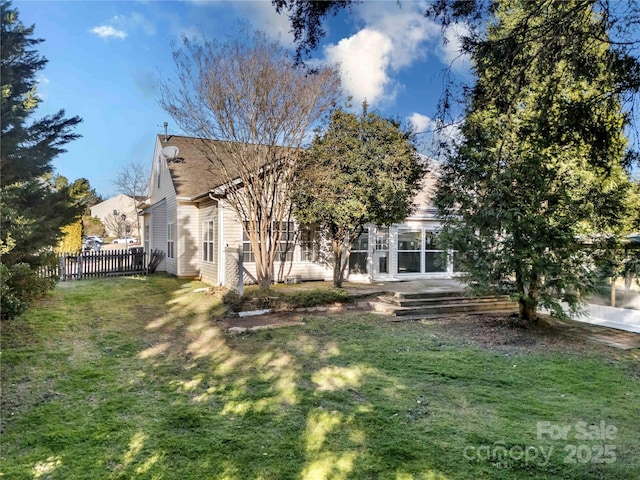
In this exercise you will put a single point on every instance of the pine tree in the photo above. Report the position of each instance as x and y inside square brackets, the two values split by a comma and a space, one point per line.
[540, 167]
[33, 209]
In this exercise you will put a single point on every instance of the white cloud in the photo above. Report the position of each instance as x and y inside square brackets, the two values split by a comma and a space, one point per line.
[263, 16]
[392, 38]
[406, 26]
[420, 123]
[106, 31]
[119, 25]
[450, 51]
[364, 60]
[433, 134]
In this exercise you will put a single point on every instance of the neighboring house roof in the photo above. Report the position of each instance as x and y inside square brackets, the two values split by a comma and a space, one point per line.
[110, 203]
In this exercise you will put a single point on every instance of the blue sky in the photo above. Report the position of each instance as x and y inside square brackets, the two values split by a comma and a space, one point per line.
[106, 57]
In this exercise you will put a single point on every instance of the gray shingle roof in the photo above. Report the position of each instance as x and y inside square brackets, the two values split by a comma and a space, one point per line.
[198, 167]
[195, 171]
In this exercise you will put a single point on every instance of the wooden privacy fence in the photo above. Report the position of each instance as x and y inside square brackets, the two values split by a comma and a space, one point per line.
[76, 266]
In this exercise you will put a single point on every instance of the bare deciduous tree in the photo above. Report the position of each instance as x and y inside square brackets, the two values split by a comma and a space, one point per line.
[250, 94]
[133, 181]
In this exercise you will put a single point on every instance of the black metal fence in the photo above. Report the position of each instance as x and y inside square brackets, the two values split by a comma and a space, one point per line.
[77, 266]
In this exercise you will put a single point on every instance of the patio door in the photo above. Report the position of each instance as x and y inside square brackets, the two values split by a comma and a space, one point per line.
[381, 252]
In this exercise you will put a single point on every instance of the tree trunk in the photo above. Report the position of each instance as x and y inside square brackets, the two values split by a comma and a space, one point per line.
[528, 310]
[264, 283]
[337, 264]
[528, 301]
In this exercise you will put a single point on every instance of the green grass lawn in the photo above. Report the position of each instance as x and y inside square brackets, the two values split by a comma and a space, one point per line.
[129, 378]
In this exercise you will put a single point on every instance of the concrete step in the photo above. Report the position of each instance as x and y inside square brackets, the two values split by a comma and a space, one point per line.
[468, 306]
[429, 294]
[448, 300]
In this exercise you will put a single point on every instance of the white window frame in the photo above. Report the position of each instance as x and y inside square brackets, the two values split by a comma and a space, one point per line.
[208, 241]
[147, 235]
[360, 246]
[247, 252]
[310, 243]
[287, 241]
[286, 246]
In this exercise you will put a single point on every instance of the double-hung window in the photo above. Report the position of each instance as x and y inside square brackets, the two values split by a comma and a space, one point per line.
[284, 248]
[208, 241]
[147, 235]
[247, 251]
[287, 240]
[309, 243]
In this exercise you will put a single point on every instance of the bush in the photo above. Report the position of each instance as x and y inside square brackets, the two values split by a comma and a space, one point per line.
[20, 284]
[277, 298]
[312, 298]
[72, 238]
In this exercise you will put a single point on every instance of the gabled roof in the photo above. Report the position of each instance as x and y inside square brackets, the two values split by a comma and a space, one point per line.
[192, 173]
[196, 171]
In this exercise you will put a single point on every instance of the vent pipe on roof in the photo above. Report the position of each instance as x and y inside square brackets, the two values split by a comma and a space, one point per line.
[165, 131]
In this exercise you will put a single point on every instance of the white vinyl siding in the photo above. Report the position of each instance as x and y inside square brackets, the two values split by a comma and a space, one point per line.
[188, 240]
[162, 210]
[209, 268]
[158, 233]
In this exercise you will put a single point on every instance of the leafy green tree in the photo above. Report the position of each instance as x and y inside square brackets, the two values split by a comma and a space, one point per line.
[33, 207]
[540, 166]
[92, 225]
[363, 169]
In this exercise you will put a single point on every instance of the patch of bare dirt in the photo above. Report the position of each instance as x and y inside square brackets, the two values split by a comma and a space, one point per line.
[280, 318]
[273, 320]
[502, 332]
[505, 333]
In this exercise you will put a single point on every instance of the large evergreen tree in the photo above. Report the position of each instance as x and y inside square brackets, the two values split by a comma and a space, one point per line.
[363, 169]
[33, 209]
[540, 165]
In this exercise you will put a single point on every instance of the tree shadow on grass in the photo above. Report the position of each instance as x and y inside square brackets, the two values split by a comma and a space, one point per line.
[170, 394]
[272, 404]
